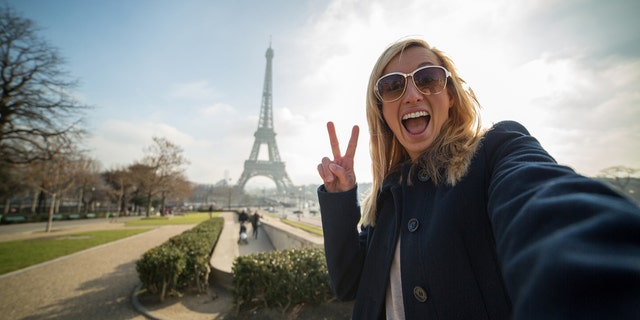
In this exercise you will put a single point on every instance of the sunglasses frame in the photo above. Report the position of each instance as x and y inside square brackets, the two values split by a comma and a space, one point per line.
[447, 74]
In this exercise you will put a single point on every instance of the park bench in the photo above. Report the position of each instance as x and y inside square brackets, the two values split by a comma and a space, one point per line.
[74, 216]
[14, 219]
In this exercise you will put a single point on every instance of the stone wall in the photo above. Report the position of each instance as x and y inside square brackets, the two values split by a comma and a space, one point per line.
[285, 237]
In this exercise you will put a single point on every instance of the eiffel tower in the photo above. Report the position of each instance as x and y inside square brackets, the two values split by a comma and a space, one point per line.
[274, 167]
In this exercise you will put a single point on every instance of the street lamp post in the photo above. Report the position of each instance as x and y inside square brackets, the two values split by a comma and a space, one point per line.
[229, 198]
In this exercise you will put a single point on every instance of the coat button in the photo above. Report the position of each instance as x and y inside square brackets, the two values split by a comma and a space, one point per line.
[423, 176]
[413, 224]
[419, 294]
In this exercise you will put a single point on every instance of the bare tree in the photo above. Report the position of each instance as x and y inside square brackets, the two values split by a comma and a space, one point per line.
[120, 181]
[146, 183]
[180, 189]
[37, 105]
[166, 161]
[12, 183]
[55, 175]
[87, 181]
[620, 176]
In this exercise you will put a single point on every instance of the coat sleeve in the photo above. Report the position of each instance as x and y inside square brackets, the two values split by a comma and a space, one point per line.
[569, 245]
[343, 248]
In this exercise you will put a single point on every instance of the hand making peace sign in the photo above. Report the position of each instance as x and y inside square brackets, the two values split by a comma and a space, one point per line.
[338, 175]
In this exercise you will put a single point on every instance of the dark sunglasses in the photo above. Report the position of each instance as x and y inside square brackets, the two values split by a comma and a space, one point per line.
[428, 80]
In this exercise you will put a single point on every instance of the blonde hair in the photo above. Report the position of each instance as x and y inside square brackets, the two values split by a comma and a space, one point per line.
[449, 155]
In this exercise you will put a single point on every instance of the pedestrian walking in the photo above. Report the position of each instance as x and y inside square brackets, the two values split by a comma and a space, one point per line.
[255, 223]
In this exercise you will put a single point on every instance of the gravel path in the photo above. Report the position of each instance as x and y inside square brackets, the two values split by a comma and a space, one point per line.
[92, 284]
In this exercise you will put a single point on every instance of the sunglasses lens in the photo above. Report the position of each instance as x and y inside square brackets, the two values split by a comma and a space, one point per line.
[391, 87]
[430, 80]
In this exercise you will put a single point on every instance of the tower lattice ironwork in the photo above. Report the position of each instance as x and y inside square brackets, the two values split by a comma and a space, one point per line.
[274, 167]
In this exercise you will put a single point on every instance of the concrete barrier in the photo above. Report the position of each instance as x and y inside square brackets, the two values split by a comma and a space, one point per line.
[225, 252]
[284, 236]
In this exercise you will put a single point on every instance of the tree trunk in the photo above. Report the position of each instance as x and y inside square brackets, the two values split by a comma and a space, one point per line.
[34, 203]
[58, 203]
[162, 205]
[121, 200]
[148, 205]
[51, 207]
[118, 208]
[125, 205]
[42, 203]
[7, 206]
[80, 201]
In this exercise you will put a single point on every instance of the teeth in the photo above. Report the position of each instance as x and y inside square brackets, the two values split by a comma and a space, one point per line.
[415, 115]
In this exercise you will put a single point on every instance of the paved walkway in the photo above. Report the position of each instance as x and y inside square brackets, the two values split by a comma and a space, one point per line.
[228, 248]
[100, 283]
[219, 300]
[92, 284]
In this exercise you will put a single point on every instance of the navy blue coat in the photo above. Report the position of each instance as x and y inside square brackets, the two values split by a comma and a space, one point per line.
[518, 237]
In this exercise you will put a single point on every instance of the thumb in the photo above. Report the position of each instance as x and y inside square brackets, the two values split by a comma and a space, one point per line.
[337, 171]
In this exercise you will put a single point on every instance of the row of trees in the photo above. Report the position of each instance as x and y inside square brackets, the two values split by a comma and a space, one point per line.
[159, 176]
[75, 179]
[41, 135]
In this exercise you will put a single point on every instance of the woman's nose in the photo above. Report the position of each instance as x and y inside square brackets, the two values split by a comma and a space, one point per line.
[412, 93]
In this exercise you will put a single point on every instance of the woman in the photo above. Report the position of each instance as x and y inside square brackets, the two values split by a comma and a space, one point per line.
[465, 223]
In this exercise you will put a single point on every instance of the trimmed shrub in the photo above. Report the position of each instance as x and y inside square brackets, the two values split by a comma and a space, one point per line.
[182, 261]
[160, 268]
[197, 245]
[281, 279]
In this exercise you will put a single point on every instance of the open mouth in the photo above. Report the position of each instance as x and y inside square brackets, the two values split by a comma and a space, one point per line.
[416, 122]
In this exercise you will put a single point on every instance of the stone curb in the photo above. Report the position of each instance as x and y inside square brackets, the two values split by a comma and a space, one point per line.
[138, 306]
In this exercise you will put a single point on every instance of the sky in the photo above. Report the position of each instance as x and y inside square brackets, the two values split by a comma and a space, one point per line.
[192, 71]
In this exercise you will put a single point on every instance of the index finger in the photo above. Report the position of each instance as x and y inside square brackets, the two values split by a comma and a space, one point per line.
[353, 142]
[333, 140]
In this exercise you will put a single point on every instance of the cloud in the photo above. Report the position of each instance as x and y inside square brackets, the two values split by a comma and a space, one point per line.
[120, 143]
[588, 29]
[578, 112]
[193, 91]
[216, 111]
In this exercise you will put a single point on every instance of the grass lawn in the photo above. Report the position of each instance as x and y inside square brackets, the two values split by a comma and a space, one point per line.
[304, 226]
[15, 255]
[188, 218]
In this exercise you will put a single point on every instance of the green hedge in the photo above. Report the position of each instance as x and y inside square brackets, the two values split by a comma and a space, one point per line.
[160, 268]
[181, 262]
[281, 279]
[198, 244]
